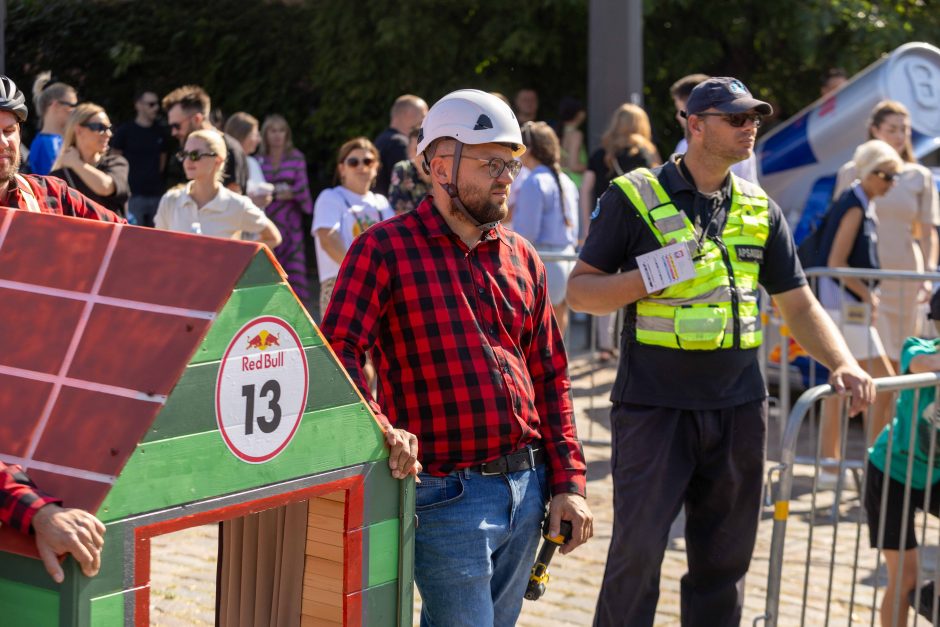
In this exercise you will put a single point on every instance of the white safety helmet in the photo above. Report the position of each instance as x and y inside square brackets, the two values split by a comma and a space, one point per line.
[471, 116]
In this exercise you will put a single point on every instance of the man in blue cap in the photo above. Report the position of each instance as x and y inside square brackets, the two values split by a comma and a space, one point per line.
[685, 248]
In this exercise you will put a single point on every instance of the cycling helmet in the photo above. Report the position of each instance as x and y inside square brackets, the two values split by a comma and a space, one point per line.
[469, 116]
[12, 99]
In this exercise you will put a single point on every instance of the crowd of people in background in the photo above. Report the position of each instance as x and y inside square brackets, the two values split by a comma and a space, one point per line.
[132, 170]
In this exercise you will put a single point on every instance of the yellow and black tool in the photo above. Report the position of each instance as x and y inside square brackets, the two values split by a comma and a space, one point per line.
[539, 576]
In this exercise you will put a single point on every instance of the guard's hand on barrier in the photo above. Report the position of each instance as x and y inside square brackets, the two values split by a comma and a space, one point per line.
[403, 453]
[853, 380]
[573, 508]
[59, 531]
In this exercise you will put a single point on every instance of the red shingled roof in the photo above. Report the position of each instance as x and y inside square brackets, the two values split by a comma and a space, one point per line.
[98, 322]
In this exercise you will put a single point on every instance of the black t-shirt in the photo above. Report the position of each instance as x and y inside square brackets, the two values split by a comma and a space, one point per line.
[864, 253]
[114, 165]
[658, 376]
[393, 147]
[236, 164]
[142, 146]
[628, 159]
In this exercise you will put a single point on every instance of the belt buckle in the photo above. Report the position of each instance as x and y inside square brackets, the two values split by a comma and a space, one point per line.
[486, 473]
[531, 457]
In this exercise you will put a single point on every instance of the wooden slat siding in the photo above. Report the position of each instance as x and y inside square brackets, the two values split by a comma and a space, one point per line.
[260, 272]
[190, 407]
[321, 610]
[248, 303]
[323, 563]
[310, 621]
[381, 499]
[190, 468]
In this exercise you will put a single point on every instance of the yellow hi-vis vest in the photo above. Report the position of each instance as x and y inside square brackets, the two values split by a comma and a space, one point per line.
[717, 309]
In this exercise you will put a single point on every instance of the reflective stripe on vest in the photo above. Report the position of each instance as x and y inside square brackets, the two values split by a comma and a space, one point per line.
[718, 307]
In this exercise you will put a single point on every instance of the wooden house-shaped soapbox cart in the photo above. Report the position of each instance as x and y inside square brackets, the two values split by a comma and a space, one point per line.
[163, 381]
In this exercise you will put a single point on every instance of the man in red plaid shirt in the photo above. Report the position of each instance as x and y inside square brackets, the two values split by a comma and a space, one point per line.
[454, 311]
[58, 530]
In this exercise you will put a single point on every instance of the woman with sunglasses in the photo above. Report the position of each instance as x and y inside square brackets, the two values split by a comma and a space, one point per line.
[547, 210]
[286, 168]
[85, 163]
[54, 102]
[849, 240]
[343, 212]
[908, 216]
[204, 205]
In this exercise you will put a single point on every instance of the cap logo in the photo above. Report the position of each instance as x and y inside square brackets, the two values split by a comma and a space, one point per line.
[737, 88]
[483, 123]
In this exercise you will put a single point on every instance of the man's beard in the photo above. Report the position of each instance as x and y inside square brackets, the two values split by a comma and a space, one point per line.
[8, 173]
[480, 206]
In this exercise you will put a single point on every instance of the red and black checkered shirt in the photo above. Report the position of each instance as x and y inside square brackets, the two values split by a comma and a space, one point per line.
[54, 196]
[468, 355]
[19, 498]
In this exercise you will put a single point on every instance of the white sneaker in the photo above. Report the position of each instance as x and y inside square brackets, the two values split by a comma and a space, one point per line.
[828, 474]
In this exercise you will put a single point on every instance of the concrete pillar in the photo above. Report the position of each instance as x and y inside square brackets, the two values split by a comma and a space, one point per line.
[615, 61]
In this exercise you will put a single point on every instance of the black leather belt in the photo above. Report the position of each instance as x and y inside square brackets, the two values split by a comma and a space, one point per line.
[523, 459]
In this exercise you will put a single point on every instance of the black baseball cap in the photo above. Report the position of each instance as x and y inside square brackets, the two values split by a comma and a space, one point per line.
[934, 313]
[725, 94]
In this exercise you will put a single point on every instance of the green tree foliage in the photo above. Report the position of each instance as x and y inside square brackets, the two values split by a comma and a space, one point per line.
[780, 49]
[333, 67]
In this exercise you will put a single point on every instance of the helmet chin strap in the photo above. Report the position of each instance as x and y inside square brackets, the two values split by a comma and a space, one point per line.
[451, 189]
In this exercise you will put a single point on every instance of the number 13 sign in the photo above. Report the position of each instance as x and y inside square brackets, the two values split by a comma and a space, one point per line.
[261, 391]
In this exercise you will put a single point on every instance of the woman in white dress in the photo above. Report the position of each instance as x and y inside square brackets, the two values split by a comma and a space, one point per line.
[907, 236]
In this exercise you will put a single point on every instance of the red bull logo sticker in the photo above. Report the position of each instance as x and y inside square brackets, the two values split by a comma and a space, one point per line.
[261, 390]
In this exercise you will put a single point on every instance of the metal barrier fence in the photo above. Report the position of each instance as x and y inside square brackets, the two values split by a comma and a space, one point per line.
[818, 580]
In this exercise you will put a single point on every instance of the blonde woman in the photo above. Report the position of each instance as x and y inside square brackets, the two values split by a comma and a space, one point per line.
[54, 102]
[85, 163]
[627, 144]
[850, 240]
[908, 215]
[204, 205]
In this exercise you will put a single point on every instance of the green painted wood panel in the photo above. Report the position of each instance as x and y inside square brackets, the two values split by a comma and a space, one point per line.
[193, 467]
[378, 606]
[381, 495]
[406, 548]
[110, 578]
[191, 406]
[28, 571]
[108, 611]
[24, 605]
[259, 272]
[382, 539]
[251, 302]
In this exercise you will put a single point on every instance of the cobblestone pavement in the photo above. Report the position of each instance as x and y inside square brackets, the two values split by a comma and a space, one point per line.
[184, 563]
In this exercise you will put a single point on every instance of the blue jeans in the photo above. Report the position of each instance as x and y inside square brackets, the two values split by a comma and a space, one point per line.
[143, 209]
[475, 545]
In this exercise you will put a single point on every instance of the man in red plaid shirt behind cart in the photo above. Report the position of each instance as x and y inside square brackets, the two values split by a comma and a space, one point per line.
[454, 311]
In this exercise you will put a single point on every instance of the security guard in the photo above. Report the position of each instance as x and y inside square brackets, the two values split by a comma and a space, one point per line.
[689, 404]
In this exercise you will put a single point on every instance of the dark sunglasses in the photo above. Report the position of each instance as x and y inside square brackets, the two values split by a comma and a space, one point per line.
[193, 155]
[150, 104]
[353, 162]
[97, 127]
[66, 103]
[884, 176]
[736, 120]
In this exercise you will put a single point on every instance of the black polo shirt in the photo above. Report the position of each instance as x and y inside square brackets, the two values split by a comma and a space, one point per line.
[654, 375]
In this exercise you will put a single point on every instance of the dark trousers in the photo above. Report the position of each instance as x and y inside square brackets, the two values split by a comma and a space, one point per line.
[711, 462]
